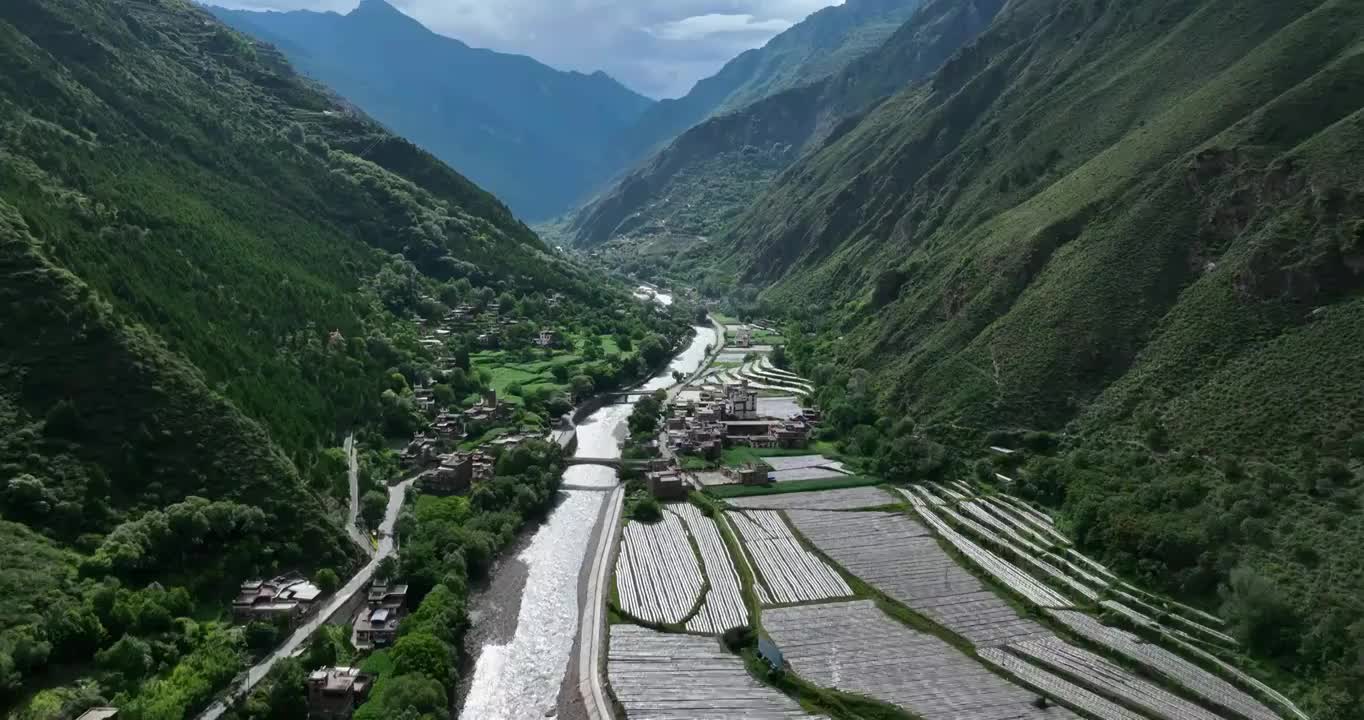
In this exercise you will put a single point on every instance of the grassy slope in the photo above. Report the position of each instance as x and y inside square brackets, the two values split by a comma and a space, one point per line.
[1098, 219]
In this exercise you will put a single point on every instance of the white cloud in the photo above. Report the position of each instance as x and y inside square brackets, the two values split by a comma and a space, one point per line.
[658, 47]
[703, 26]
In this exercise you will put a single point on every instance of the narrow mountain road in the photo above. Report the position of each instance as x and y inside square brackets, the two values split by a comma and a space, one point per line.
[353, 475]
[397, 495]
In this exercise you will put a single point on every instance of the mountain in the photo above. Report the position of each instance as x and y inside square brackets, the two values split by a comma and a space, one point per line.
[704, 177]
[1137, 226]
[208, 272]
[538, 138]
[814, 48]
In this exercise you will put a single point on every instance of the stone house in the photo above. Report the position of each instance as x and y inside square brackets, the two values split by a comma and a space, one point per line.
[376, 625]
[334, 693]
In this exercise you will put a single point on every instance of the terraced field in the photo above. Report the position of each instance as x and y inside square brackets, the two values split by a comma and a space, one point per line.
[1166, 664]
[901, 558]
[787, 572]
[854, 647]
[843, 499]
[658, 676]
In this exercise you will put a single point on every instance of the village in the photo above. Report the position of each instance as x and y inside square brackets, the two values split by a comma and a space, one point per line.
[454, 449]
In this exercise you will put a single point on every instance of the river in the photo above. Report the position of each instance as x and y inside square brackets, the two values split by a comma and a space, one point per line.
[525, 623]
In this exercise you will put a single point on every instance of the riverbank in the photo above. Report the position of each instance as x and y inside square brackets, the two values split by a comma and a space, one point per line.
[521, 652]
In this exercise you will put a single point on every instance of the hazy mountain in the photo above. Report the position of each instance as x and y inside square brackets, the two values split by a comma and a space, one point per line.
[538, 138]
[814, 48]
[702, 179]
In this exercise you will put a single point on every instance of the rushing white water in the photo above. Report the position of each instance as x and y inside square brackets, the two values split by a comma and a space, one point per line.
[520, 680]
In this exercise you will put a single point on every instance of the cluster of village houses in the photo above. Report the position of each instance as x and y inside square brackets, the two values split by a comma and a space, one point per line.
[333, 693]
[489, 323]
[724, 416]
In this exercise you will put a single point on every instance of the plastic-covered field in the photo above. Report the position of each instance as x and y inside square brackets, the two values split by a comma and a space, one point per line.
[658, 676]
[723, 607]
[1167, 664]
[854, 647]
[842, 499]
[786, 572]
[900, 557]
[1057, 687]
[657, 576]
[1100, 675]
[1006, 573]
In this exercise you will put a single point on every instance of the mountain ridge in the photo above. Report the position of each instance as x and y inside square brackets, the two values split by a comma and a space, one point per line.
[1097, 232]
[536, 137]
[686, 188]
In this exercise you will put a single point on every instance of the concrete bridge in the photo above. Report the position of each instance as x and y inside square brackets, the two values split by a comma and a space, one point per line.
[616, 463]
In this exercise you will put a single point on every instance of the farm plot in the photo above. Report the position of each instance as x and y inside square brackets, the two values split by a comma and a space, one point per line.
[925, 495]
[1039, 523]
[657, 576]
[1243, 678]
[1057, 687]
[854, 647]
[1199, 681]
[658, 676]
[1099, 674]
[1024, 556]
[787, 572]
[975, 510]
[947, 492]
[796, 462]
[900, 557]
[842, 499]
[807, 473]
[1001, 570]
[778, 407]
[1002, 513]
[723, 607]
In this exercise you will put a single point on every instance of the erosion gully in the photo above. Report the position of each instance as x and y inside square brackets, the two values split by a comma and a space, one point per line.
[525, 621]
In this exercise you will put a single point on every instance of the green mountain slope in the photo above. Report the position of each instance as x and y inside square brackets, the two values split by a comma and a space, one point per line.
[706, 176]
[816, 47]
[538, 138]
[208, 268]
[1139, 223]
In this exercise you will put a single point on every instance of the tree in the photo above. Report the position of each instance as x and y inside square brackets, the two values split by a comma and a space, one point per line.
[130, 657]
[778, 356]
[1260, 614]
[387, 569]
[653, 349]
[372, 507]
[327, 580]
[582, 386]
[261, 636]
[421, 653]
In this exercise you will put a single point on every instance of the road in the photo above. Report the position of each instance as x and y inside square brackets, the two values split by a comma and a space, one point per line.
[353, 474]
[387, 546]
[591, 684]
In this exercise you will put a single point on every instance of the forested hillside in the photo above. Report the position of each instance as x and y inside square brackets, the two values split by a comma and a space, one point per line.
[1127, 235]
[700, 181]
[209, 272]
[538, 138]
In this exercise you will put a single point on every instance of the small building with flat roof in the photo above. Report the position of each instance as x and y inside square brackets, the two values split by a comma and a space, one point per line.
[334, 693]
[99, 713]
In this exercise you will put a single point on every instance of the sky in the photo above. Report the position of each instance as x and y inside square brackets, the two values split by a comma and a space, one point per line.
[657, 47]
